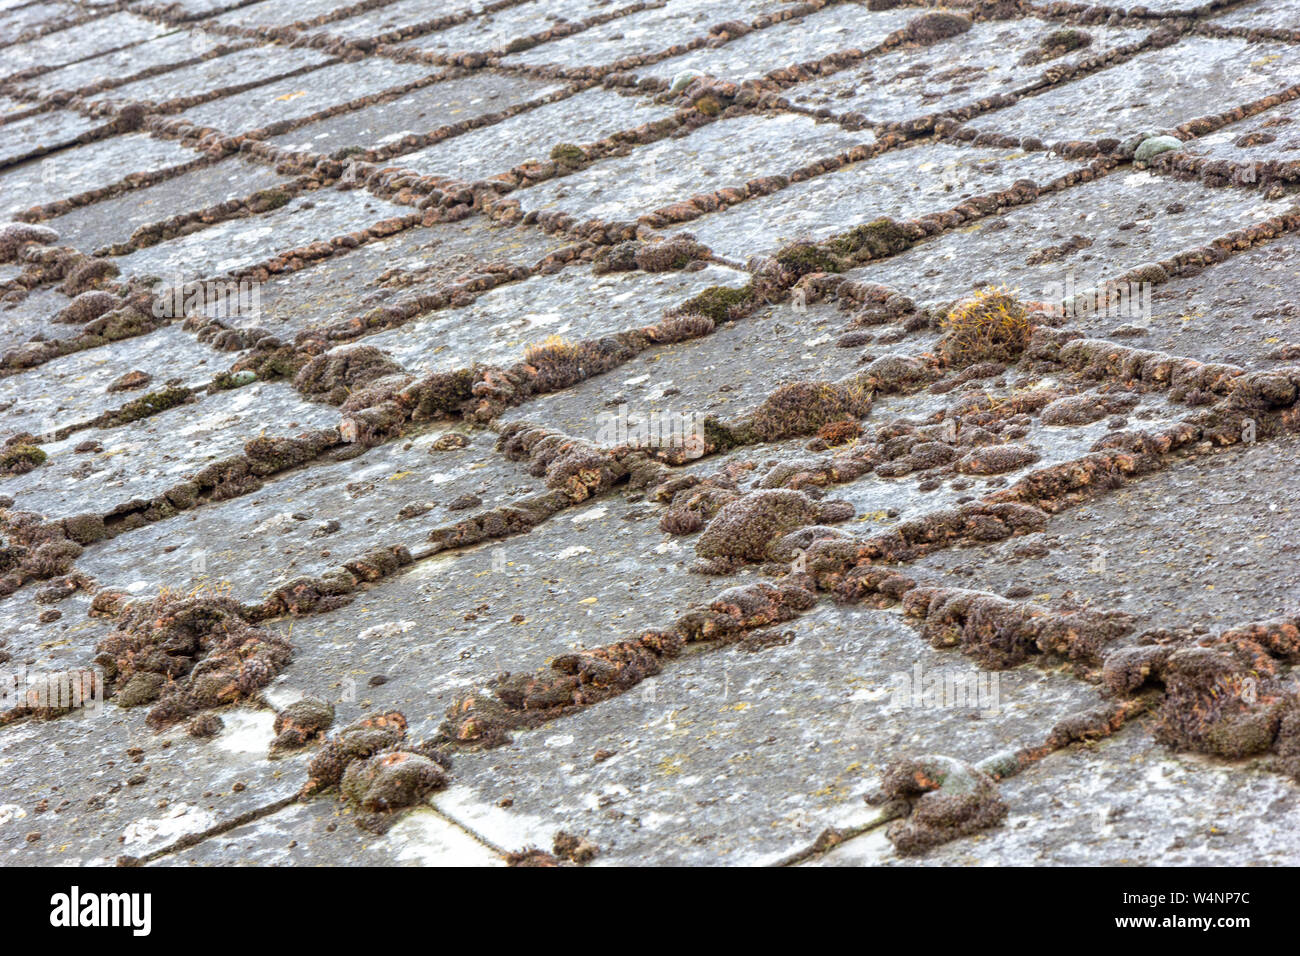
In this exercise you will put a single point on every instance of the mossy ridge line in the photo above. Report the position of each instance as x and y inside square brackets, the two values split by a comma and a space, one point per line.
[295, 34]
[723, 33]
[62, 23]
[474, 58]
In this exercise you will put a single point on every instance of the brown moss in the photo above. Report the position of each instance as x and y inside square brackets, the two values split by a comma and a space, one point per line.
[300, 723]
[18, 459]
[331, 377]
[719, 303]
[575, 849]
[202, 649]
[805, 258]
[839, 432]
[15, 235]
[996, 459]
[948, 798]
[391, 781]
[357, 741]
[801, 408]
[933, 27]
[671, 254]
[130, 381]
[744, 528]
[992, 325]
[1220, 700]
[679, 328]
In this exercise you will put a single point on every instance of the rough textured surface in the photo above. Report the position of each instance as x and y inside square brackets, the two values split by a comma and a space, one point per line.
[710, 432]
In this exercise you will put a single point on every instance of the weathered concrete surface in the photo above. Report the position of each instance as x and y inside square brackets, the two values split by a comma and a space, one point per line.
[903, 185]
[243, 242]
[1124, 220]
[415, 261]
[572, 305]
[1120, 803]
[1157, 89]
[991, 58]
[84, 168]
[726, 153]
[480, 153]
[111, 221]
[587, 631]
[420, 111]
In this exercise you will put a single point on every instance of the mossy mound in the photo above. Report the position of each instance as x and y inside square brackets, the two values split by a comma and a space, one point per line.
[720, 302]
[991, 326]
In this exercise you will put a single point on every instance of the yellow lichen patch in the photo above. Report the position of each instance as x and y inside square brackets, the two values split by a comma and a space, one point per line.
[553, 348]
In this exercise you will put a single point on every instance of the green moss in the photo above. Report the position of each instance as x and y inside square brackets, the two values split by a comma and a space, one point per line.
[803, 258]
[717, 301]
[717, 435]
[19, 458]
[708, 106]
[229, 380]
[1066, 40]
[150, 404]
[282, 363]
[268, 199]
[567, 154]
[878, 238]
[1153, 146]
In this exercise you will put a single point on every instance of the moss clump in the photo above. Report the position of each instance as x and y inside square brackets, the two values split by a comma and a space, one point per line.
[189, 654]
[667, 256]
[719, 302]
[300, 723]
[718, 435]
[559, 362]
[948, 798]
[1153, 146]
[1060, 42]
[991, 326]
[18, 459]
[679, 328]
[391, 781]
[331, 377]
[282, 363]
[805, 258]
[228, 380]
[617, 258]
[801, 408]
[873, 240]
[440, 394]
[745, 528]
[933, 27]
[147, 405]
[268, 199]
[708, 105]
[554, 349]
[840, 432]
[569, 155]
